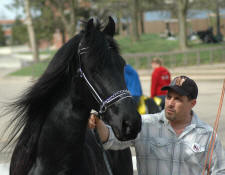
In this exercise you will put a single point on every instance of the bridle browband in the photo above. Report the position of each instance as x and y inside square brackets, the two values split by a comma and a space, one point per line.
[104, 104]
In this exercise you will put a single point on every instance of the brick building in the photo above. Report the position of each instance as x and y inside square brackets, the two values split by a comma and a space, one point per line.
[7, 26]
[193, 25]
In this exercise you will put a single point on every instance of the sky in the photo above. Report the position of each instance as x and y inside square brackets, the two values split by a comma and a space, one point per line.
[149, 16]
[7, 13]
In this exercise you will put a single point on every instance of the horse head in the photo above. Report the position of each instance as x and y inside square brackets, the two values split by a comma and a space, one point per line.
[102, 68]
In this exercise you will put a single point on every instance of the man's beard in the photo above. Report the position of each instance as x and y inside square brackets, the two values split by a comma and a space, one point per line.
[170, 117]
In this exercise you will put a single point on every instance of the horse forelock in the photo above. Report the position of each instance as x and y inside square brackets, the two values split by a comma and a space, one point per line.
[101, 46]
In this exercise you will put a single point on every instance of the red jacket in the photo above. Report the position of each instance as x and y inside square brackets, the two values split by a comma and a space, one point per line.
[160, 77]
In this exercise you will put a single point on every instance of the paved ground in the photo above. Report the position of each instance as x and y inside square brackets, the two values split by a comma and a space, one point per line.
[207, 106]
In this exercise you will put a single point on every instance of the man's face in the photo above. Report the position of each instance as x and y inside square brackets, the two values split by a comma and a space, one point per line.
[177, 107]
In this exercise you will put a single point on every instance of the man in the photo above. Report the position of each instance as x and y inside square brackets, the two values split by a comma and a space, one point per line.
[160, 77]
[173, 142]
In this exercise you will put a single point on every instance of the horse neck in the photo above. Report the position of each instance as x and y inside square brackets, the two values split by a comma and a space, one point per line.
[65, 127]
[77, 106]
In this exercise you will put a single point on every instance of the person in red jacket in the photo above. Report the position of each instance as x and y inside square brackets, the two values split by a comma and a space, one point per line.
[160, 77]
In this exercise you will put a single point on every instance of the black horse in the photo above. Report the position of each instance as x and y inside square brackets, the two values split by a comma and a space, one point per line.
[207, 36]
[86, 73]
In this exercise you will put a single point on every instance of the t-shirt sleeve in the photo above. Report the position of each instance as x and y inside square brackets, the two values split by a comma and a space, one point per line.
[114, 144]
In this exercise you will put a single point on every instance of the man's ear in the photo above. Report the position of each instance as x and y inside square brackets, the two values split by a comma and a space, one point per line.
[193, 102]
[110, 28]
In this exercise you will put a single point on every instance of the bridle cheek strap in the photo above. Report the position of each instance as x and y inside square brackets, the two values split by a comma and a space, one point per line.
[105, 104]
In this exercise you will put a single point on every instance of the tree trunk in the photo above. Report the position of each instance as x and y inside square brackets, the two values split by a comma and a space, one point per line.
[182, 6]
[119, 23]
[73, 17]
[219, 36]
[30, 28]
[135, 32]
[142, 20]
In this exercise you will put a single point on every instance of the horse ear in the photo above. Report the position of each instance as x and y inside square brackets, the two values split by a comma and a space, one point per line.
[110, 28]
[90, 24]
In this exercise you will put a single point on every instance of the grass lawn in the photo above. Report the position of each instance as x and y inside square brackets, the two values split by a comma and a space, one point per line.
[149, 43]
[34, 70]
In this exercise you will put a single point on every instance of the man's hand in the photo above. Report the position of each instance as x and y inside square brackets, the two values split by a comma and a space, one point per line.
[92, 121]
[95, 122]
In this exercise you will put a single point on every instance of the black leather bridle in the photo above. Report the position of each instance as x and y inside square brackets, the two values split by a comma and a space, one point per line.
[106, 103]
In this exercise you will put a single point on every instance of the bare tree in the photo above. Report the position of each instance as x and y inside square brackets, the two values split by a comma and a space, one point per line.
[30, 28]
[147, 5]
[66, 10]
[135, 21]
[182, 7]
[178, 9]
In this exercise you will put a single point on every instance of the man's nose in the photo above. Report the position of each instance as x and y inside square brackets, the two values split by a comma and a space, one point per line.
[171, 102]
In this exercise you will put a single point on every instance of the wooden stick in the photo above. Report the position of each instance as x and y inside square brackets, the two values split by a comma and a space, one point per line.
[213, 137]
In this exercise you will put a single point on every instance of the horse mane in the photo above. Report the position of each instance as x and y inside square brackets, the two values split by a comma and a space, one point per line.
[37, 100]
[32, 107]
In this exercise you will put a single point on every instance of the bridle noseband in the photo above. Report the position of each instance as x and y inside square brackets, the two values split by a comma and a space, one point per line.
[104, 104]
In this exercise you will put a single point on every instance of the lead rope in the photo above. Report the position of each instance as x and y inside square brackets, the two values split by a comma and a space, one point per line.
[108, 167]
[213, 137]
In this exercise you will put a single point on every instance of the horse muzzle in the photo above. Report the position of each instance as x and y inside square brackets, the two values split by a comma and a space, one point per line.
[126, 125]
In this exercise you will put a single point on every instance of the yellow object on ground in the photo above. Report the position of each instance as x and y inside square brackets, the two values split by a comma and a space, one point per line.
[157, 100]
[142, 108]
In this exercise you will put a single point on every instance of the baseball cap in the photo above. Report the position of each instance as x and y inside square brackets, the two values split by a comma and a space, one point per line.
[183, 86]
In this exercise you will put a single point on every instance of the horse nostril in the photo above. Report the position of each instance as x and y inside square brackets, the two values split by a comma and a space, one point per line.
[126, 127]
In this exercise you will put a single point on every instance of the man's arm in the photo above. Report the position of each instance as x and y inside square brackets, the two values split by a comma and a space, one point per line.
[103, 130]
[106, 135]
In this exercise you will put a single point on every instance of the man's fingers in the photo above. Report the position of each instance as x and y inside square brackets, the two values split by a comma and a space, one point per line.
[92, 121]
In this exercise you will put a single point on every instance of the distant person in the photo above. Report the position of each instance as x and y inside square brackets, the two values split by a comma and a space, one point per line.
[133, 83]
[160, 77]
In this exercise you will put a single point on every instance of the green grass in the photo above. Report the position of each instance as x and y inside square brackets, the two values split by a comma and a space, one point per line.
[193, 45]
[34, 70]
[149, 43]
[181, 59]
[49, 52]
